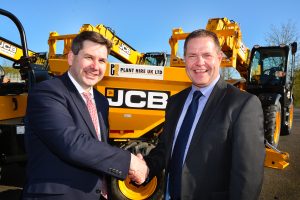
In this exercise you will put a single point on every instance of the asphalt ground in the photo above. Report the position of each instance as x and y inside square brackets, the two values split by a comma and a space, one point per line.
[285, 184]
[278, 184]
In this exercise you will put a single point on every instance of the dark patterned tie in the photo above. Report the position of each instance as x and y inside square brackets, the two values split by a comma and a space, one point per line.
[175, 166]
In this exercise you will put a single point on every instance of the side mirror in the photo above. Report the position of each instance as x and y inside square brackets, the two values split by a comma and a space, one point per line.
[294, 47]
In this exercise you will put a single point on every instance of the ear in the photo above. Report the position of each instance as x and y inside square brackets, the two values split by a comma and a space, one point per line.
[220, 56]
[70, 58]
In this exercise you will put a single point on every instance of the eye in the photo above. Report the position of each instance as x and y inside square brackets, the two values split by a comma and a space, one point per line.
[102, 61]
[89, 57]
[192, 56]
[207, 56]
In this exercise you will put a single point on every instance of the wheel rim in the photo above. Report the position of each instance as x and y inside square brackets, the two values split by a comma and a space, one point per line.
[277, 128]
[131, 191]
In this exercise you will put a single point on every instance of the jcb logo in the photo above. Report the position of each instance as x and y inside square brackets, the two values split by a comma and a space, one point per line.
[243, 48]
[8, 47]
[137, 98]
[124, 48]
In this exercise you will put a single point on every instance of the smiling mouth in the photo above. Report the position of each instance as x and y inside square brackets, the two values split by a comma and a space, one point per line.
[91, 74]
[200, 70]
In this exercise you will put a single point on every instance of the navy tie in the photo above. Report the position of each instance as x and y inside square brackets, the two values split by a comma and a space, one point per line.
[175, 166]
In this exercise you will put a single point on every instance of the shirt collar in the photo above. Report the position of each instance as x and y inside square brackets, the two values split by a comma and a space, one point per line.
[78, 87]
[206, 90]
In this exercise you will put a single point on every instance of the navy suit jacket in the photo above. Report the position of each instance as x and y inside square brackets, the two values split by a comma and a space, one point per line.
[225, 159]
[64, 155]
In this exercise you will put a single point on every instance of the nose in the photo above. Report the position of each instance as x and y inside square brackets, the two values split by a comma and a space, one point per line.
[94, 64]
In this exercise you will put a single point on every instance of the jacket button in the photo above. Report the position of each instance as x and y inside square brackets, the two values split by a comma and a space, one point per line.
[98, 191]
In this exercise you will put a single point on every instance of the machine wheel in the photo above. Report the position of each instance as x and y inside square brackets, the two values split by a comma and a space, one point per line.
[288, 125]
[272, 123]
[126, 190]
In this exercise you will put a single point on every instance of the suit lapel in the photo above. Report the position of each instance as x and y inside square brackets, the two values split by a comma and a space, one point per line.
[208, 112]
[80, 104]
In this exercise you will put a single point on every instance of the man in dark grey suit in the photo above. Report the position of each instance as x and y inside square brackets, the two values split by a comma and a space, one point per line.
[67, 130]
[220, 151]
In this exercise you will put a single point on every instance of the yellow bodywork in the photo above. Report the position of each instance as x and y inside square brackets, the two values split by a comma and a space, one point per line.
[12, 106]
[120, 49]
[137, 122]
[275, 159]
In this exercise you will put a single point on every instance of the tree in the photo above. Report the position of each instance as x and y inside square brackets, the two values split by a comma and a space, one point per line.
[286, 33]
[297, 88]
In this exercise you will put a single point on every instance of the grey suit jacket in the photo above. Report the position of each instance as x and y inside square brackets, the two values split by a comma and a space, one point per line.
[225, 159]
[65, 157]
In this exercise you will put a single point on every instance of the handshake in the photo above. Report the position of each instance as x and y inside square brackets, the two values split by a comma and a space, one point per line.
[138, 170]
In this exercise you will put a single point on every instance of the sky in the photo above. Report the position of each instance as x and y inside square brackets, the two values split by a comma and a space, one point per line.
[145, 25]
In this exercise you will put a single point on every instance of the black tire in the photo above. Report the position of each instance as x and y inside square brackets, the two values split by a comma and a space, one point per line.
[272, 123]
[125, 190]
[287, 125]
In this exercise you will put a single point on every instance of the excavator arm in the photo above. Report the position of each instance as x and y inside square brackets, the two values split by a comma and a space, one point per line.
[120, 49]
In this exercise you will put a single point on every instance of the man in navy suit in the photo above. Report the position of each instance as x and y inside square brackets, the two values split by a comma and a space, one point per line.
[68, 153]
[223, 153]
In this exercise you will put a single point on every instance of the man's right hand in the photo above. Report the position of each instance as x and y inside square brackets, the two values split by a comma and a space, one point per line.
[138, 171]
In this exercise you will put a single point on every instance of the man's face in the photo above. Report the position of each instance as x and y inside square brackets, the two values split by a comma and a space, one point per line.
[89, 65]
[202, 61]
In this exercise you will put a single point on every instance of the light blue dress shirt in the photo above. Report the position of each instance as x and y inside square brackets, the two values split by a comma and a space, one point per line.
[206, 91]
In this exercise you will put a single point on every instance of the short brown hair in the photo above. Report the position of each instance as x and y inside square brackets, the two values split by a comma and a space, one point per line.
[77, 43]
[202, 33]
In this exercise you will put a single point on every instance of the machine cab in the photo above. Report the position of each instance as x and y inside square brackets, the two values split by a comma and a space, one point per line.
[272, 66]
